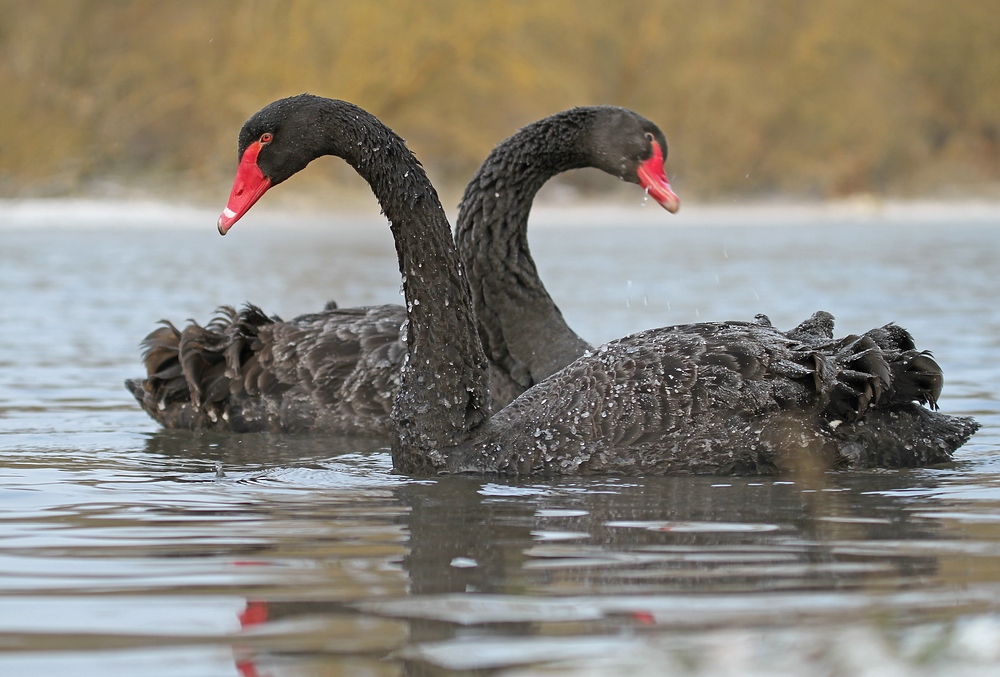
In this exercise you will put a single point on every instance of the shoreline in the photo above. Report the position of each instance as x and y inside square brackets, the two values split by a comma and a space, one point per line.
[30, 213]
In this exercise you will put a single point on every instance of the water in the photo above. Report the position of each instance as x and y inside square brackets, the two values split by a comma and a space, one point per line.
[126, 550]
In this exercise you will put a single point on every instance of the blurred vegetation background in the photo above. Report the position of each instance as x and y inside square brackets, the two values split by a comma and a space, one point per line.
[791, 98]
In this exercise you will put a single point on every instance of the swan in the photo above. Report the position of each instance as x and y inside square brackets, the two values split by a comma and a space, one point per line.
[718, 397]
[338, 370]
[523, 332]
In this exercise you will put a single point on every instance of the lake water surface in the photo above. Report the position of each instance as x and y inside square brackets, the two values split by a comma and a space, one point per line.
[127, 550]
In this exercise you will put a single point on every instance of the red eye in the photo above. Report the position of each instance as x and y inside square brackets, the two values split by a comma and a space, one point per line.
[649, 136]
[266, 137]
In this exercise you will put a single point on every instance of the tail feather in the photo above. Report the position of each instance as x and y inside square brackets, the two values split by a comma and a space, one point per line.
[878, 369]
[849, 376]
[160, 347]
[917, 378]
[200, 365]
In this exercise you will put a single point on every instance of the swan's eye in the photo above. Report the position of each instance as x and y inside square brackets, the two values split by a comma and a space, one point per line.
[266, 137]
[649, 136]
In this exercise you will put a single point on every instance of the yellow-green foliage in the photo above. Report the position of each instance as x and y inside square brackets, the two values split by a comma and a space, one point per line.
[802, 97]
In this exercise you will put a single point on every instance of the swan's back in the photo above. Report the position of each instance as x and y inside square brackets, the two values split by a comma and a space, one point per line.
[334, 371]
[724, 398]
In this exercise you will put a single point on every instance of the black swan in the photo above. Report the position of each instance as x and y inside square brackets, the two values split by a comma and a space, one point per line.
[525, 336]
[338, 370]
[725, 397]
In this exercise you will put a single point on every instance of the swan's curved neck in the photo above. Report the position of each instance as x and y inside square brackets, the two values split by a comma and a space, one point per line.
[521, 327]
[444, 395]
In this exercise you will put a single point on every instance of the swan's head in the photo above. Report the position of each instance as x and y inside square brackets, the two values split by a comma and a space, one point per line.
[627, 145]
[275, 143]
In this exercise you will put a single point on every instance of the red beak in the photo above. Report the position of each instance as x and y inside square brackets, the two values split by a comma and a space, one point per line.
[653, 177]
[249, 186]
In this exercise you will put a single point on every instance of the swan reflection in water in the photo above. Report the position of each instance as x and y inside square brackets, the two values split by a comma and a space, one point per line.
[389, 565]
